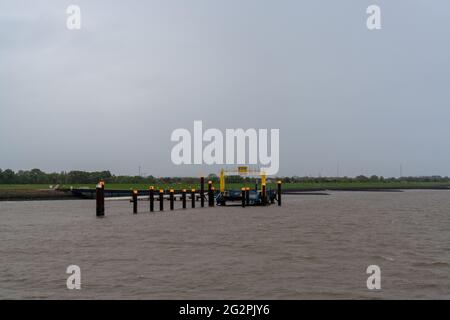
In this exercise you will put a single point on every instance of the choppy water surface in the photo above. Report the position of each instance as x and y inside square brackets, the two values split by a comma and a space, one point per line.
[312, 247]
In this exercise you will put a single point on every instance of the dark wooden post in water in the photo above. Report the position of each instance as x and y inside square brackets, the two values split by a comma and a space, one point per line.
[183, 198]
[243, 197]
[134, 200]
[161, 200]
[152, 198]
[202, 191]
[209, 193]
[100, 199]
[279, 193]
[171, 198]
[247, 196]
[193, 198]
[263, 195]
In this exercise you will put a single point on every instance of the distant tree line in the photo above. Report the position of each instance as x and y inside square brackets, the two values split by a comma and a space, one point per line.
[36, 176]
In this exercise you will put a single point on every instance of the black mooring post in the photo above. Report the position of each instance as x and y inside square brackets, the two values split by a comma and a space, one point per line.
[161, 200]
[171, 198]
[279, 193]
[152, 198]
[183, 198]
[212, 196]
[98, 206]
[243, 197]
[100, 199]
[247, 196]
[134, 200]
[102, 184]
[202, 191]
[193, 198]
[209, 193]
[263, 195]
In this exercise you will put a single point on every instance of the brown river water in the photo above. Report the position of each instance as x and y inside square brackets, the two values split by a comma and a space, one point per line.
[311, 247]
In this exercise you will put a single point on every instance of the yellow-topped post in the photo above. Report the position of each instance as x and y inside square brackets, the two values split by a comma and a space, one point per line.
[151, 197]
[171, 198]
[247, 196]
[210, 193]
[193, 197]
[100, 198]
[161, 199]
[183, 198]
[263, 194]
[279, 193]
[134, 199]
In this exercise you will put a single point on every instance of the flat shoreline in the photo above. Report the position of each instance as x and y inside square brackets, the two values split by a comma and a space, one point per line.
[34, 195]
[367, 189]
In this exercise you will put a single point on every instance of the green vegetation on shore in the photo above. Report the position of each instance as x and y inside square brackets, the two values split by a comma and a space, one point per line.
[37, 180]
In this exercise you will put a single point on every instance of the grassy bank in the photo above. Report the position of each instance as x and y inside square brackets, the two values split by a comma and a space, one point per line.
[23, 187]
[33, 194]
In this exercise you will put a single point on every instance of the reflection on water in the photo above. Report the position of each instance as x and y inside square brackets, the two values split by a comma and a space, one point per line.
[312, 247]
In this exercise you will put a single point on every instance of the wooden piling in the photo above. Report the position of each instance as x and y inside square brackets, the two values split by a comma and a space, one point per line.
[171, 191]
[212, 196]
[247, 196]
[279, 193]
[193, 197]
[151, 197]
[134, 200]
[263, 195]
[161, 200]
[100, 199]
[183, 198]
[243, 197]
[210, 193]
[202, 191]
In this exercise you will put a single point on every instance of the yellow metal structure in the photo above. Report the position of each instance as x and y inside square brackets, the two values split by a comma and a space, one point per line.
[263, 178]
[222, 180]
[241, 171]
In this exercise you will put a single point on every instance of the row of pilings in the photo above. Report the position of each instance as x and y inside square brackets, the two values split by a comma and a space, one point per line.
[154, 195]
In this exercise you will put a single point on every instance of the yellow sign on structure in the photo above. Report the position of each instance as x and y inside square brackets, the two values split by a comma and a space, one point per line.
[243, 169]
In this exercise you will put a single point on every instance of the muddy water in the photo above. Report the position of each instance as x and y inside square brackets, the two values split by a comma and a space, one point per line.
[312, 247]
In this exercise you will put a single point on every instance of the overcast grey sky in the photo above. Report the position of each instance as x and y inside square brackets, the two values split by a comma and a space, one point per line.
[137, 70]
